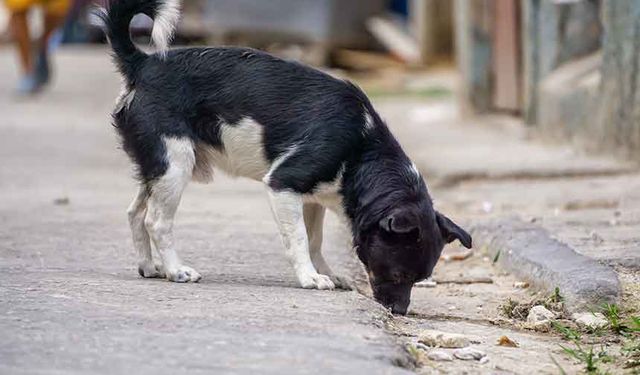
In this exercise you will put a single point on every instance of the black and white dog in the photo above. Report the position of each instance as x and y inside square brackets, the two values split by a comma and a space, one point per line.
[315, 141]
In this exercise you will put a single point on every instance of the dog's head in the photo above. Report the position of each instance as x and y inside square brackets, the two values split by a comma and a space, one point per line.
[402, 248]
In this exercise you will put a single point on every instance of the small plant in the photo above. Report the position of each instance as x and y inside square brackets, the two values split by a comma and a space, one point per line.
[508, 307]
[590, 359]
[496, 257]
[556, 297]
[567, 332]
[612, 313]
[635, 324]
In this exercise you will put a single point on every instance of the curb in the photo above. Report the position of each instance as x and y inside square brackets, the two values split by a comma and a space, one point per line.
[531, 253]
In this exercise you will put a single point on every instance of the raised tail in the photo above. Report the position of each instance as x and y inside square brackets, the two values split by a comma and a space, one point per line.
[118, 16]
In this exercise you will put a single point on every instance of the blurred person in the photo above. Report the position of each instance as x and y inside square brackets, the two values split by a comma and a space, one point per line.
[35, 61]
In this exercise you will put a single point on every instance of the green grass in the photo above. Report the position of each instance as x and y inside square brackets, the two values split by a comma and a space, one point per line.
[635, 324]
[556, 297]
[567, 332]
[591, 360]
[496, 257]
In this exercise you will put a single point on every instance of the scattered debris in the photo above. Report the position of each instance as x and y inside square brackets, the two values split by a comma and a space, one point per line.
[590, 321]
[64, 201]
[521, 285]
[461, 255]
[443, 339]
[428, 283]
[440, 356]
[505, 341]
[469, 354]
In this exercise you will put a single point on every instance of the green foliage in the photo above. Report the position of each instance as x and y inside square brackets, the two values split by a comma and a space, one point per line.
[590, 359]
[556, 296]
[612, 313]
[567, 332]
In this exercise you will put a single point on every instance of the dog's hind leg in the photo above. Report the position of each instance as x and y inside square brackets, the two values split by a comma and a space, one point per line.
[314, 220]
[136, 213]
[164, 198]
[287, 209]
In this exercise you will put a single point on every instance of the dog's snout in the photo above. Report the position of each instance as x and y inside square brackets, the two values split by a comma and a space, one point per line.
[400, 308]
[395, 297]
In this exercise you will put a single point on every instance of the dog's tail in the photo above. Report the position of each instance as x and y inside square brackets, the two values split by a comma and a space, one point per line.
[118, 16]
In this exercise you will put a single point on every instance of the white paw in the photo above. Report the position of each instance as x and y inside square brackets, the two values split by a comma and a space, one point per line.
[316, 281]
[184, 274]
[150, 270]
[341, 282]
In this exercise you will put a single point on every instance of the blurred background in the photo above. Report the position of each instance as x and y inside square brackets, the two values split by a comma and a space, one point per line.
[566, 67]
[522, 115]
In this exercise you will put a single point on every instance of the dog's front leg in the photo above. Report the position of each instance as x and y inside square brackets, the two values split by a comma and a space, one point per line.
[287, 210]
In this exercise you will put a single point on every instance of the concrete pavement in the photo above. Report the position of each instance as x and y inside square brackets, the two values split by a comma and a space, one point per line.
[70, 297]
[71, 300]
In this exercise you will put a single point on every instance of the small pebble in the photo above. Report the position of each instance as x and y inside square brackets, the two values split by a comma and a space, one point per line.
[428, 283]
[469, 354]
[484, 360]
[61, 201]
[440, 356]
[521, 285]
[443, 339]
[505, 341]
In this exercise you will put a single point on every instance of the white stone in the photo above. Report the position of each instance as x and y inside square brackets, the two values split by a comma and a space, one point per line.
[539, 314]
[469, 354]
[440, 356]
[590, 320]
[428, 283]
[443, 339]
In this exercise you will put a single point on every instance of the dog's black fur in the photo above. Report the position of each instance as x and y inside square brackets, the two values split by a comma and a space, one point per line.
[398, 234]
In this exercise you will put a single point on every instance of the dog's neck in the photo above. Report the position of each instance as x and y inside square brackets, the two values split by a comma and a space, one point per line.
[381, 178]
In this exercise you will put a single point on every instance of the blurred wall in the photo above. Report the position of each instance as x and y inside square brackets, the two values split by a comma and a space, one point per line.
[577, 67]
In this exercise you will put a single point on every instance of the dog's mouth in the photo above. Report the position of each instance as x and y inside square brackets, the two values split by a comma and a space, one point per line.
[395, 297]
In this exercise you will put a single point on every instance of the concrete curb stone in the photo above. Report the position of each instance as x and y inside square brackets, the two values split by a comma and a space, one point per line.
[530, 252]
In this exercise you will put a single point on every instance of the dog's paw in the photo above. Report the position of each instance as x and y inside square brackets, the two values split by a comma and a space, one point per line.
[317, 281]
[341, 282]
[150, 270]
[184, 274]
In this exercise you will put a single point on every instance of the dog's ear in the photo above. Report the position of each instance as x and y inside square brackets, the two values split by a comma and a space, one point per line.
[399, 222]
[451, 231]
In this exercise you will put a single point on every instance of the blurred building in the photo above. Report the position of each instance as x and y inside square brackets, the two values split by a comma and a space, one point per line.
[568, 67]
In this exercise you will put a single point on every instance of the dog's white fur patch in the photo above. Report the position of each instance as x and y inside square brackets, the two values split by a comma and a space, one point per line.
[125, 98]
[413, 169]
[242, 155]
[164, 25]
[369, 124]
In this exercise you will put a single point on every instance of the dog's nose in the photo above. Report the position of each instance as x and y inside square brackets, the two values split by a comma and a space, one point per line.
[399, 308]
